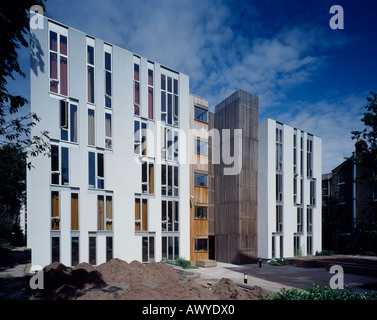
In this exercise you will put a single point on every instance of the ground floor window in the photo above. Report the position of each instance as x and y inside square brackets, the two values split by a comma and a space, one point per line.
[297, 246]
[148, 249]
[93, 250]
[74, 251]
[109, 248]
[201, 244]
[273, 250]
[309, 245]
[55, 249]
[170, 247]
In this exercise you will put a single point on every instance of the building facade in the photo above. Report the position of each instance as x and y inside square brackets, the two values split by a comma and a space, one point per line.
[199, 180]
[117, 182]
[289, 198]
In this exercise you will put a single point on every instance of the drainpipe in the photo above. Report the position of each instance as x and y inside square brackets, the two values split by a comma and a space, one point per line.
[354, 192]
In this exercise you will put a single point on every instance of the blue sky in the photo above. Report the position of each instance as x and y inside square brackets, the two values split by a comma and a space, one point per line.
[305, 74]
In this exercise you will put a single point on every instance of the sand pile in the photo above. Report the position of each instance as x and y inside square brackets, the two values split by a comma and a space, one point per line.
[119, 280]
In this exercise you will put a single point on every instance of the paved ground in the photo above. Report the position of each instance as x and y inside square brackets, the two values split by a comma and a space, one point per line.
[275, 277]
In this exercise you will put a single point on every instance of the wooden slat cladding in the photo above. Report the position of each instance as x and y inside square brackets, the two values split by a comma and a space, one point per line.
[235, 196]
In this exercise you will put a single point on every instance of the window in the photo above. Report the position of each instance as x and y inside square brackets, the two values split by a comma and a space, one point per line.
[201, 114]
[341, 178]
[140, 137]
[55, 249]
[201, 244]
[309, 245]
[108, 75]
[309, 220]
[170, 247]
[58, 54]
[150, 90]
[201, 180]
[59, 165]
[147, 177]
[279, 149]
[169, 180]
[91, 128]
[141, 214]
[201, 147]
[55, 210]
[109, 248]
[105, 213]
[169, 143]
[279, 187]
[169, 100]
[309, 158]
[74, 251]
[74, 211]
[273, 247]
[136, 90]
[299, 219]
[90, 68]
[169, 215]
[96, 160]
[148, 249]
[108, 131]
[68, 121]
[297, 246]
[302, 154]
[93, 250]
[279, 218]
[201, 212]
[312, 192]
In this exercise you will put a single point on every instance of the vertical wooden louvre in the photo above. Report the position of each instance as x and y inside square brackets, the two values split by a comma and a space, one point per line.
[74, 211]
[145, 215]
[137, 215]
[109, 213]
[55, 215]
[100, 208]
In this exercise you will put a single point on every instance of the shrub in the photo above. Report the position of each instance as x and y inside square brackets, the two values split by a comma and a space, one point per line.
[316, 292]
[325, 253]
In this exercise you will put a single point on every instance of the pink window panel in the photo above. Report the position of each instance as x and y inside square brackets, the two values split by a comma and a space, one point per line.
[150, 103]
[53, 65]
[137, 93]
[63, 45]
[136, 72]
[63, 76]
[150, 77]
[53, 41]
[136, 110]
[54, 86]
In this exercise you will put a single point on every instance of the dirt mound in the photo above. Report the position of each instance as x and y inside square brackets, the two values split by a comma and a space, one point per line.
[117, 279]
[226, 289]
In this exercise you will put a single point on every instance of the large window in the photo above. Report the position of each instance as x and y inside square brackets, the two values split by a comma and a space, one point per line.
[169, 144]
[96, 170]
[147, 177]
[170, 215]
[68, 121]
[279, 186]
[279, 149]
[201, 114]
[312, 192]
[90, 68]
[309, 158]
[169, 100]
[300, 217]
[201, 180]
[141, 214]
[170, 247]
[148, 249]
[150, 90]
[309, 220]
[279, 218]
[105, 212]
[169, 180]
[58, 54]
[108, 75]
[140, 137]
[59, 165]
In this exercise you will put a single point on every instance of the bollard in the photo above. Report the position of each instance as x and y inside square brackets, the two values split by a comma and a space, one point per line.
[245, 278]
[260, 262]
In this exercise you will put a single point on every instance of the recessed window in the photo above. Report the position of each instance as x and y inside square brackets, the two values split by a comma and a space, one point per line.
[201, 212]
[109, 248]
[108, 131]
[90, 68]
[141, 214]
[169, 180]
[91, 128]
[169, 215]
[201, 179]
[140, 137]
[96, 161]
[201, 244]
[170, 247]
[74, 211]
[108, 75]
[55, 249]
[59, 165]
[55, 210]
[201, 114]
[68, 121]
[105, 212]
[147, 177]
[201, 147]
[93, 250]
[74, 251]
[169, 100]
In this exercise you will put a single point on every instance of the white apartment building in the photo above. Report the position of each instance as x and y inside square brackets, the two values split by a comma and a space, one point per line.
[116, 184]
[289, 191]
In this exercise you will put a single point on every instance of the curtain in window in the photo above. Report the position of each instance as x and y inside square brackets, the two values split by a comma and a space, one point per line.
[91, 127]
[55, 210]
[63, 76]
[74, 211]
[137, 215]
[109, 213]
[100, 208]
[144, 215]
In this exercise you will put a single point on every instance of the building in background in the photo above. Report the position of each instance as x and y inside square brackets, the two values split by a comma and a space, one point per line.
[289, 198]
[116, 184]
[199, 180]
